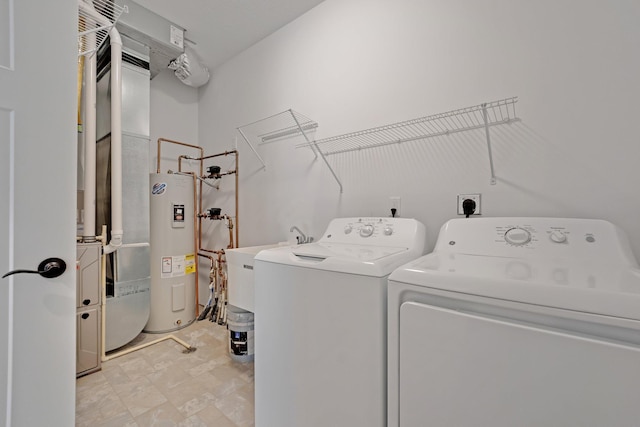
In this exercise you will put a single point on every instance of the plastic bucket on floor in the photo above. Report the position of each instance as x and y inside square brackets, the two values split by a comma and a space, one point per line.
[240, 325]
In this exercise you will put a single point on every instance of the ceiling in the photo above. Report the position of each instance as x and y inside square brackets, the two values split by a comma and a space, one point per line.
[221, 29]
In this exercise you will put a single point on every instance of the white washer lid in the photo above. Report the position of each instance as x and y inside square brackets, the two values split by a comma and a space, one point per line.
[610, 290]
[376, 261]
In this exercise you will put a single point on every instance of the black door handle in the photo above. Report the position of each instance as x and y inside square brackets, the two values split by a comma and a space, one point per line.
[49, 268]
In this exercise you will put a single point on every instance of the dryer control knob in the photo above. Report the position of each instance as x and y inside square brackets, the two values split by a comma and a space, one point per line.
[388, 231]
[347, 229]
[366, 230]
[517, 236]
[558, 236]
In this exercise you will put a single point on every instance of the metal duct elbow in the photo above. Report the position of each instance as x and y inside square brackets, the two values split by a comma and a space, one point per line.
[188, 67]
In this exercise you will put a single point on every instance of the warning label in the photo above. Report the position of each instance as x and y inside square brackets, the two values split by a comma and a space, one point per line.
[176, 266]
[190, 264]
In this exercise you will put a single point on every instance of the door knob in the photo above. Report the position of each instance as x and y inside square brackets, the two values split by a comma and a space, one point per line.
[49, 268]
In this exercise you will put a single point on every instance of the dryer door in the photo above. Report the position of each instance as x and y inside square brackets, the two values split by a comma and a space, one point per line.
[467, 370]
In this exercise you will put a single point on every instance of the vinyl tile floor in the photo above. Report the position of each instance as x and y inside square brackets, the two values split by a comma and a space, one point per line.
[161, 385]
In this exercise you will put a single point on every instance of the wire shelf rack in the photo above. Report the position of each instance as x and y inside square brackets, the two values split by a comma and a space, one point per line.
[95, 20]
[479, 116]
[286, 124]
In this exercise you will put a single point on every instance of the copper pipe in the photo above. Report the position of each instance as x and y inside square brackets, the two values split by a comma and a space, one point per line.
[184, 144]
[220, 252]
[212, 266]
[230, 233]
[195, 241]
[199, 217]
[226, 153]
[237, 209]
[209, 257]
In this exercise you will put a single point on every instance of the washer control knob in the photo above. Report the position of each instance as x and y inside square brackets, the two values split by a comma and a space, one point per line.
[366, 230]
[558, 236]
[517, 236]
[348, 229]
[388, 231]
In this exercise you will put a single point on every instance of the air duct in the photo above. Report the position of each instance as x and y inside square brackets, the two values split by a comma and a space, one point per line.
[164, 38]
[189, 68]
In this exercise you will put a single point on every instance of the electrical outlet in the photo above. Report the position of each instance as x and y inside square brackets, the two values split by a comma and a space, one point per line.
[463, 197]
[395, 204]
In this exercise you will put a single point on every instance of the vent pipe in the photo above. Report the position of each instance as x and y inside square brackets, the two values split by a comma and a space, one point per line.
[89, 231]
[116, 142]
[116, 136]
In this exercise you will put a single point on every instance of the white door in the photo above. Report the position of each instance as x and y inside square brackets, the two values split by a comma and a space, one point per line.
[37, 210]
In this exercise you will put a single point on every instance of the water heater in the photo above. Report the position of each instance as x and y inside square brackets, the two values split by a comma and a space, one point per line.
[173, 253]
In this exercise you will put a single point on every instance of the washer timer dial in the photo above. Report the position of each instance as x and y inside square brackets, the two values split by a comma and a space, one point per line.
[558, 236]
[366, 230]
[517, 236]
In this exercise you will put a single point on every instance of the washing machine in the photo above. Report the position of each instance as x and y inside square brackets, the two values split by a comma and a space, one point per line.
[517, 322]
[320, 323]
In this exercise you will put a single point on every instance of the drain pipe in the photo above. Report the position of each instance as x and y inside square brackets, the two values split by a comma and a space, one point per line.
[116, 142]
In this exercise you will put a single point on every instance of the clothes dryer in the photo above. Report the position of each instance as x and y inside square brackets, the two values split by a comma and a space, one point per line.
[320, 324]
[517, 322]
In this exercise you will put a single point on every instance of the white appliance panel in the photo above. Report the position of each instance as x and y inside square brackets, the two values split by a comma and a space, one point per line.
[241, 283]
[482, 371]
[611, 290]
[366, 246]
[325, 365]
[587, 240]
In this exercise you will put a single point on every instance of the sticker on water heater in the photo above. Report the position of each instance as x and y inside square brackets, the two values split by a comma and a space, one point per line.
[190, 264]
[159, 188]
[167, 265]
[173, 266]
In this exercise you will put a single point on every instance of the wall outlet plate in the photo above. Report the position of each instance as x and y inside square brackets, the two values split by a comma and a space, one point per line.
[463, 197]
[395, 204]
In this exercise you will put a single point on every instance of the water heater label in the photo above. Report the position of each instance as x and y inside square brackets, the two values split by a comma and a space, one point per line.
[177, 220]
[190, 264]
[176, 266]
[159, 188]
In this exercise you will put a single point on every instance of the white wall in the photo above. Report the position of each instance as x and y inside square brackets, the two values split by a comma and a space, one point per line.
[356, 64]
[174, 115]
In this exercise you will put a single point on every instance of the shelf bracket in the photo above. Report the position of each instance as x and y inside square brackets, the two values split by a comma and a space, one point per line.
[264, 166]
[317, 150]
[486, 130]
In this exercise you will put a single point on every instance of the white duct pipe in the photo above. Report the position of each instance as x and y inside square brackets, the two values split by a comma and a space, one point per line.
[116, 142]
[90, 70]
[116, 130]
